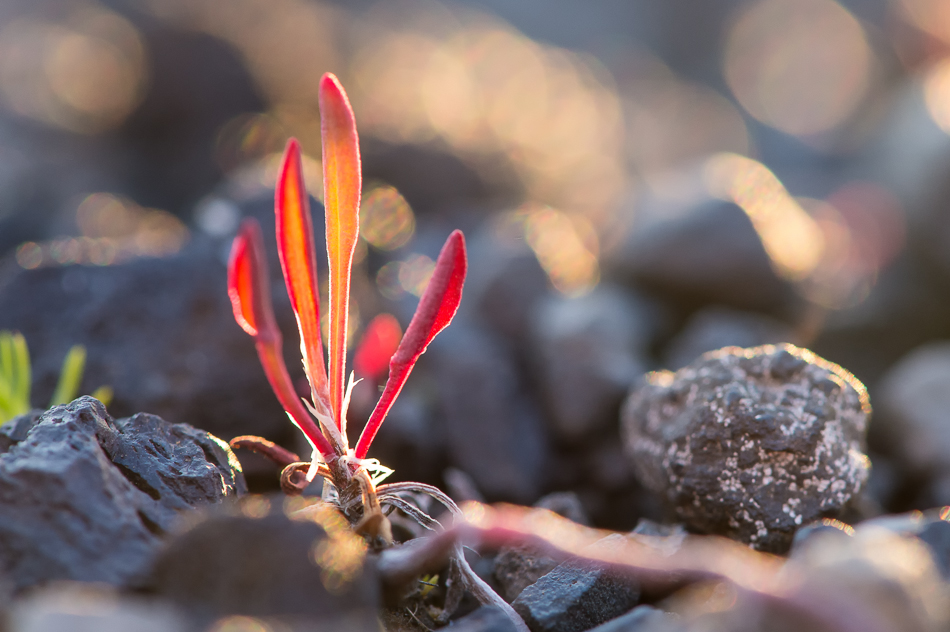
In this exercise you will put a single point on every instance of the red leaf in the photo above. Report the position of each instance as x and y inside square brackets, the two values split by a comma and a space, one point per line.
[436, 309]
[341, 195]
[249, 291]
[298, 263]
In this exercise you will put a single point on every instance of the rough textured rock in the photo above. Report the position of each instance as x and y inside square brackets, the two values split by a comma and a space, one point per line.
[586, 351]
[68, 511]
[266, 563]
[516, 568]
[576, 596]
[751, 443]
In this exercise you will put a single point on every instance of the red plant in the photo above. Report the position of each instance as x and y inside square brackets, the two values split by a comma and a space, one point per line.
[323, 419]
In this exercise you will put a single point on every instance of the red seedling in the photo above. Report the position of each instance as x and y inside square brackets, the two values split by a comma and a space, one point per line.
[323, 419]
[352, 478]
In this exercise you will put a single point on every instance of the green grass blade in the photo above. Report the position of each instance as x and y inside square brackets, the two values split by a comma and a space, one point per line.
[104, 394]
[70, 376]
[6, 357]
[21, 364]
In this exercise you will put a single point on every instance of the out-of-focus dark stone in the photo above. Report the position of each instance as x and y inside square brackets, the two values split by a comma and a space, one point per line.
[586, 351]
[485, 619]
[297, 570]
[505, 283]
[936, 535]
[493, 431]
[913, 401]
[565, 504]
[160, 332]
[79, 607]
[576, 596]
[751, 443]
[83, 496]
[713, 328]
[819, 529]
[642, 619]
[707, 253]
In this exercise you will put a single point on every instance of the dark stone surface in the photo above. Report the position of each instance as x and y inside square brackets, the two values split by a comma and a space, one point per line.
[936, 535]
[586, 351]
[517, 568]
[751, 443]
[484, 619]
[493, 431]
[716, 327]
[576, 596]
[642, 619]
[160, 332]
[68, 512]
[302, 571]
[705, 253]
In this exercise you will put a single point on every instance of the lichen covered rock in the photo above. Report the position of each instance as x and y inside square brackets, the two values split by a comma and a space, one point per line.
[751, 443]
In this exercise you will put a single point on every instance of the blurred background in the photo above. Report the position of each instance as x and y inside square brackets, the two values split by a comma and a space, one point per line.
[639, 181]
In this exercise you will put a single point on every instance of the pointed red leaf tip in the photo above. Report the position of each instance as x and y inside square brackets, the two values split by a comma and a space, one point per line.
[341, 195]
[249, 291]
[436, 309]
[298, 263]
[377, 346]
[247, 285]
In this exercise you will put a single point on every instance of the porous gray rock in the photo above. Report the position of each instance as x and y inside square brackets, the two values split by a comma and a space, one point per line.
[751, 443]
[84, 497]
[577, 595]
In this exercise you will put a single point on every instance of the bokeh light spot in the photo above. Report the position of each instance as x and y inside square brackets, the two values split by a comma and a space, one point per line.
[801, 66]
[792, 239]
[386, 220]
[937, 94]
[85, 73]
[414, 274]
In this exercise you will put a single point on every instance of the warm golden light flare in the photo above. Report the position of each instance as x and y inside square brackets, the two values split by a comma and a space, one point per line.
[340, 555]
[801, 66]
[792, 239]
[114, 230]
[937, 92]
[930, 16]
[566, 246]
[84, 74]
[237, 623]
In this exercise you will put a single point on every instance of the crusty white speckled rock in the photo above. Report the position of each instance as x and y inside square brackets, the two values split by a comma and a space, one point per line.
[751, 443]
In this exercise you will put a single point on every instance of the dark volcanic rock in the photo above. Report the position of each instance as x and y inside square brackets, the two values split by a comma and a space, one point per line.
[706, 253]
[494, 433]
[751, 443]
[576, 596]
[262, 562]
[642, 619]
[586, 352]
[67, 511]
[485, 619]
[516, 568]
[160, 332]
[715, 327]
